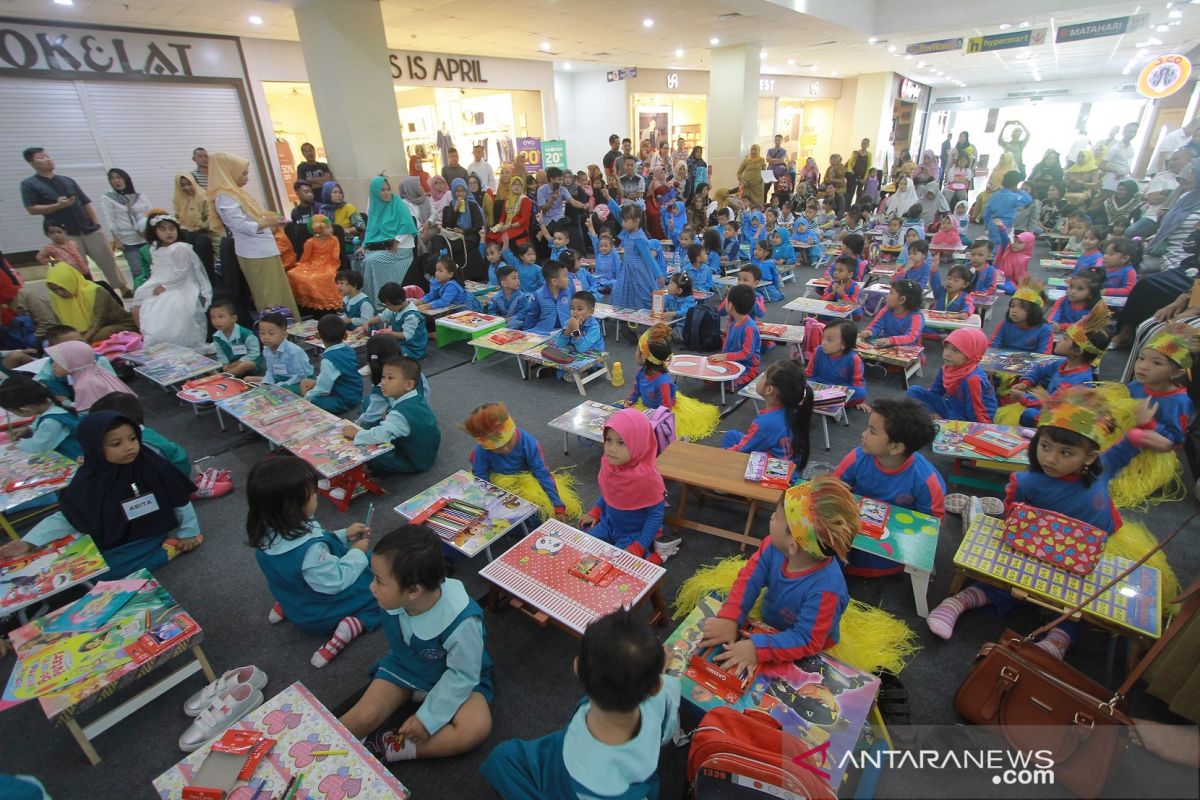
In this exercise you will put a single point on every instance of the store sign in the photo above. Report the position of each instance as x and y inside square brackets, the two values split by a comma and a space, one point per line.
[30, 49]
[554, 154]
[1006, 41]
[622, 74]
[909, 90]
[672, 80]
[1164, 76]
[934, 46]
[814, 88]
[1100, 28]
[444, 69]
[531, 148]
[766, 85]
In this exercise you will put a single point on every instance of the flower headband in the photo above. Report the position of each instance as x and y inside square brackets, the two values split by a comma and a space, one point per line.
[496, 439]
[1177, 342]
[1095, 320]
[1078, 409]
[653, 334]
[162, 217]
[1031, 292]
[825, 503]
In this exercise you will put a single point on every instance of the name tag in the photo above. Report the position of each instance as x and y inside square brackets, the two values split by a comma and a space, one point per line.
[238, 349]
[139, 506]
[280, 369]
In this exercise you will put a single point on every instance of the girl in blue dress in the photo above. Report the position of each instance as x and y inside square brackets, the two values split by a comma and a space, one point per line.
[639, 276]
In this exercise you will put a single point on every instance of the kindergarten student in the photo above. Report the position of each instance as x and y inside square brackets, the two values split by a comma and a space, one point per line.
[835, 361]
[700, 264]
[129, 405]
[987, 277]
[640, 274]
[582, 332]
[578, 278]
[806, 594]
[53, 427]
[509, 301]
[629, 512]
[760, 257]
[237, 347]
[338, 387]
[1083, 292]
[888, 466]
[320, 579]
[654, 388]
[947, 233]
[550, 307]
[525, 263]
[748, 275]
[782, 252]
[409, 425]
[436, 655]
[511, 458]
[753, 226]
[287, 363]
[918, 266]
[610, 748]
[1160, 374]
[446, 289]
[742, 343]
[960, 389]
[731, 244]
[900, 321]
[952, 296]
[54, 377]
[807, 243]
[842, 288]
[781, 429]
[608, 260]
[171, 303]
[88, 379]
[403, 321]
[356, 306]
[1092, 255]
[892, 240]
[678, 300]
[1025, 327]
[853, 246]
[1120, 275]
[1012, 258]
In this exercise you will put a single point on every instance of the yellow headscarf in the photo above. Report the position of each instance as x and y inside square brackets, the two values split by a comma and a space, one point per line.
[223, 171]
[79, 311]
[1084, 162]
[513, 201]
[189, 209]
[1004, 166]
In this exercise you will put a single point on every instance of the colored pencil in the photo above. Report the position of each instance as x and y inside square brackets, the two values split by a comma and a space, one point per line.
[258, 791]
[327, 753]
[295, 788]
[287, 790]
[370, 513]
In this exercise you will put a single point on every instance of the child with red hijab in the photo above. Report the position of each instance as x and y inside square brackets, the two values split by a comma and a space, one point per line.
[629, 513]
[960, 389]
[1012, 258]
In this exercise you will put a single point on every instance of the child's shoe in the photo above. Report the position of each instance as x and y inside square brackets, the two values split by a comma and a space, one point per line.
[226, 709]
[251, 675]
[276, 615]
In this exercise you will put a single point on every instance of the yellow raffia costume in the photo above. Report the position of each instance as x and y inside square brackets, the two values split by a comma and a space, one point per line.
[494, 430]
[822, 518]
[695, 420]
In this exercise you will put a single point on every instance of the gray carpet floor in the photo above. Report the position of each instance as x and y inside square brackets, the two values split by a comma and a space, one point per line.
[221, 585]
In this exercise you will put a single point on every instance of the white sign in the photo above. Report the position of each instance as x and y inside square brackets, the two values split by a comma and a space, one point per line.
[766, 84]
[909, 90]
[672, 80]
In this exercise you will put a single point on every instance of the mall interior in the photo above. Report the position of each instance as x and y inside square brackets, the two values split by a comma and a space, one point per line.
[391, 87]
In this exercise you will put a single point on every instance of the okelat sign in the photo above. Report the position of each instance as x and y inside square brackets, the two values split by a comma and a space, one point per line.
[1164, 76]
[531, 148]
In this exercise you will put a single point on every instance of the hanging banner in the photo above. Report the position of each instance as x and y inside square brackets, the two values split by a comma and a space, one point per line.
[287, 168]
[554, 154]
[622, 74]
[935, 46]
[1164, 76]
[1006, 41]
[531, 148]
[1100, 28]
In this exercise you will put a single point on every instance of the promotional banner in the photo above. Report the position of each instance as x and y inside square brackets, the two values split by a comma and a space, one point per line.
[554, 154]
[531, 147]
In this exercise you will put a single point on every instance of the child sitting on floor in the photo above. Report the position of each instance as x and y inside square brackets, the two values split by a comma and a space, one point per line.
[1024, 327]
[892, 240]
[129, 405]
[987, 277]
[742, 343]
[918, 265]
[842, 287]
[781, 429]
[1091, 255]
[409, 425]
[678, 300]
[1082, 294]
[610, 748]
[550, 306]
[947, 233]
[53, 427]
[853, 246]
[654, 388]
[1120, 276]
[731, 245]
[446, 289]
[320, 579]
[760, 256]
[629, 512]
[807, 243]
[401, 320]
[748, 275]
[76, 362]
[582, 332]
[806, 594]
[782, 252]
[237, 347]
[59, 385]
[952, 296]
[287, 363]
[608, 260]
[960, 389]
[511, 458]
[699, 267]
[435, 656]
[900, 321]
[509, 301]
[356, 306]
[703, 277]
[338, 387]
[835, 361]
[526, 264]
[887, 466]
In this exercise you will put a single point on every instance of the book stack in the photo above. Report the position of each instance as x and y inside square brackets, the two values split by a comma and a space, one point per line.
[996, 443]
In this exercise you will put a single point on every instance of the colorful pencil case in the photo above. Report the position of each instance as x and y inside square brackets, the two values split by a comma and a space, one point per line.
[992, 442]
[1057, 539]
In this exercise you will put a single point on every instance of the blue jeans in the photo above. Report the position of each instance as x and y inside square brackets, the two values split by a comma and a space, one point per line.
[133, 257]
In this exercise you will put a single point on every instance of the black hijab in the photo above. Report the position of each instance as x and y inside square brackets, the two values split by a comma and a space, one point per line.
[92, 501]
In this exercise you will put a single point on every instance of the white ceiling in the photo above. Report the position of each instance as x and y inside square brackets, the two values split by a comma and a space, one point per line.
[587, 33]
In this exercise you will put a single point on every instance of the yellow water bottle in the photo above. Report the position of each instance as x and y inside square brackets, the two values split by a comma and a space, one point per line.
[618, 375]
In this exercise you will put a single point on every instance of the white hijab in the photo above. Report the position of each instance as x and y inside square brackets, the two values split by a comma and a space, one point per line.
[899, 203]
[932, 203]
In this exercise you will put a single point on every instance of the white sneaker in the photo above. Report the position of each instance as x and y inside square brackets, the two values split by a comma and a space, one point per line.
[251, 675]
[364, 370]
[225, 710]
[665, 548]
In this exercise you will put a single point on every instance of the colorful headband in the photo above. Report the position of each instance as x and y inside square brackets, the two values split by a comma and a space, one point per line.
[1177, 342]
[644, 349]
[1031, 292]
[163, 217]
[499, 437]
[1095, 320]
[1078, 409]
[797, 508]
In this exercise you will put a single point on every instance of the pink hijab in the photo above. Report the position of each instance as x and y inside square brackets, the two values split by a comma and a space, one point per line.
[973, 344]
[1015, 266]
[635, 484]
[89, 380]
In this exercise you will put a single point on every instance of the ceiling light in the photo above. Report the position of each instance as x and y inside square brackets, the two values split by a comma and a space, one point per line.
[679, 52]
[1175, 13]
[920, 65]
[647, 23]
[791, 62]
[908, 58]
[544, 45]
[714, 41]
[64, 2]
[1025, 24]
[1005, 26]
[567, 66]
[254, 20]
[891, 48]
[875, 39]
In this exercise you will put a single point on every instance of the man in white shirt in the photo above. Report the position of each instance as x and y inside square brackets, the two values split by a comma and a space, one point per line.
[1118, 160]
[632, 185]
[482, 169]
[1175, 140]
[1156, 192]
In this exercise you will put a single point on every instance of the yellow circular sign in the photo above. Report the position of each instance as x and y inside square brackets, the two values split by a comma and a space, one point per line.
[1164, 76]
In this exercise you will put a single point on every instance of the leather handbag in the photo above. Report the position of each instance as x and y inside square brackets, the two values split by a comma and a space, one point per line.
[1038, 702]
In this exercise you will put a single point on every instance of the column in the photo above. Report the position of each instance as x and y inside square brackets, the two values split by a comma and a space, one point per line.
[346, 56]
[732, 109]
[872, 117]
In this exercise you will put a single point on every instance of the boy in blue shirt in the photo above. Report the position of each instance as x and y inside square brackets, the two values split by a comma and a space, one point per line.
[402, 320]
[918, 265]
[748, 275]
[286, 362]
[730, 245]
[237, 347]
[410, 424]
[620, 666]
[338, 386]
[509, 302]
[741, 339]
[356, 306]
[550, 306]
[582, 332]
[699, 268]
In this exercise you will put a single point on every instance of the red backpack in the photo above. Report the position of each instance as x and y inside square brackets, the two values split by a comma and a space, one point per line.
[750, 751]
[813, 331]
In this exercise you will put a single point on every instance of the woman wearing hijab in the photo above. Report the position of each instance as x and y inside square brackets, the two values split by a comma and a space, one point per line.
[129, 499]
[439, 195]
[835, 175]
[191, 209]
[967, 150]
[415, 170]
[995, 180]
[809, 179]
[928, 171]
[389, 240]
[1046, 172]
[89, 381]
[697, 171]
[421, 209]
[750, 175]
[1120, 208]
[333, 204]
[933, 205]
[464, 216]
[252, 229]
[124, 209]
[1082, 177]
[904, 198]
[512, 213]
[78, 302]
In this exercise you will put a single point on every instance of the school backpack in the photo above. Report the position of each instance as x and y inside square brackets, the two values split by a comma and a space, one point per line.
[18, 334]
[813, 331]
[284, 310]
[702, 329]
[745, 754]
[662, 422]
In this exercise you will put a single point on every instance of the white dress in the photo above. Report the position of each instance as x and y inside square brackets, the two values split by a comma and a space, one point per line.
[177, 314]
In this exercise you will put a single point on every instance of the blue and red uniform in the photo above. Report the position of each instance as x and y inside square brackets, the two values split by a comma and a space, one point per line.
[526, 456]
[655, 391]
[1064, 313]
[804, 607]
[757, 311]
[1174, 410]
[1119, 282]
[1092, 258]
[769, 433]
[974, 400]
[1051, 376]
[836, 293]
[845, 370]
[942, 301]
[987, 281]
[743, 346]
[1010, 335]
[633, 530]
[902, 329]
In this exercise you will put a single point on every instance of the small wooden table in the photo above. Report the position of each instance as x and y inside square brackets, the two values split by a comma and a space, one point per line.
[535, 577]
[830, 403]
[585, 420]
[812, 305]
[167, 365]
[950, 320]
[45, 572]
[702, 368]
[951, 441]
[506, 340]
[585, 368]
[700, 468]
[465, 326]
[17, 465]
[906, 357]
[505, 510]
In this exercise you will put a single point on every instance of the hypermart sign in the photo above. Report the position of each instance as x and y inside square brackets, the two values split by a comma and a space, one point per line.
[30, 49]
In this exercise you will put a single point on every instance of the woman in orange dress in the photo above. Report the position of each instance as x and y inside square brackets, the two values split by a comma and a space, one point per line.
[312, 279]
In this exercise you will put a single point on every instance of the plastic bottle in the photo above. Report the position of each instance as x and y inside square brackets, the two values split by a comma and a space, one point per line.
[618, 375]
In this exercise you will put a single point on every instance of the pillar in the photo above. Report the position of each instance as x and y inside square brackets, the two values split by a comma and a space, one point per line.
[732, 109]
[346, 56]
[871, 118]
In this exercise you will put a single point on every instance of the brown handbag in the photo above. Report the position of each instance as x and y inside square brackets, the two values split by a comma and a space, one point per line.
[1038, 702]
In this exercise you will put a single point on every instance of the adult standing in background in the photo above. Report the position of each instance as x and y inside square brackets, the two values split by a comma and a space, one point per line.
[1117, 161]
[681, 151]
[59, 199]
[697, 171]
[552, 200]
[253, 230]
[750, 175]
[777, 158]
[856, 169]
[453, 170]
[311, 171]
[661, 158]
[481, 169]
[200, 173]
[944, 160]
[609, 162]
[967, 150]
[1015, 145]
[124, 208]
